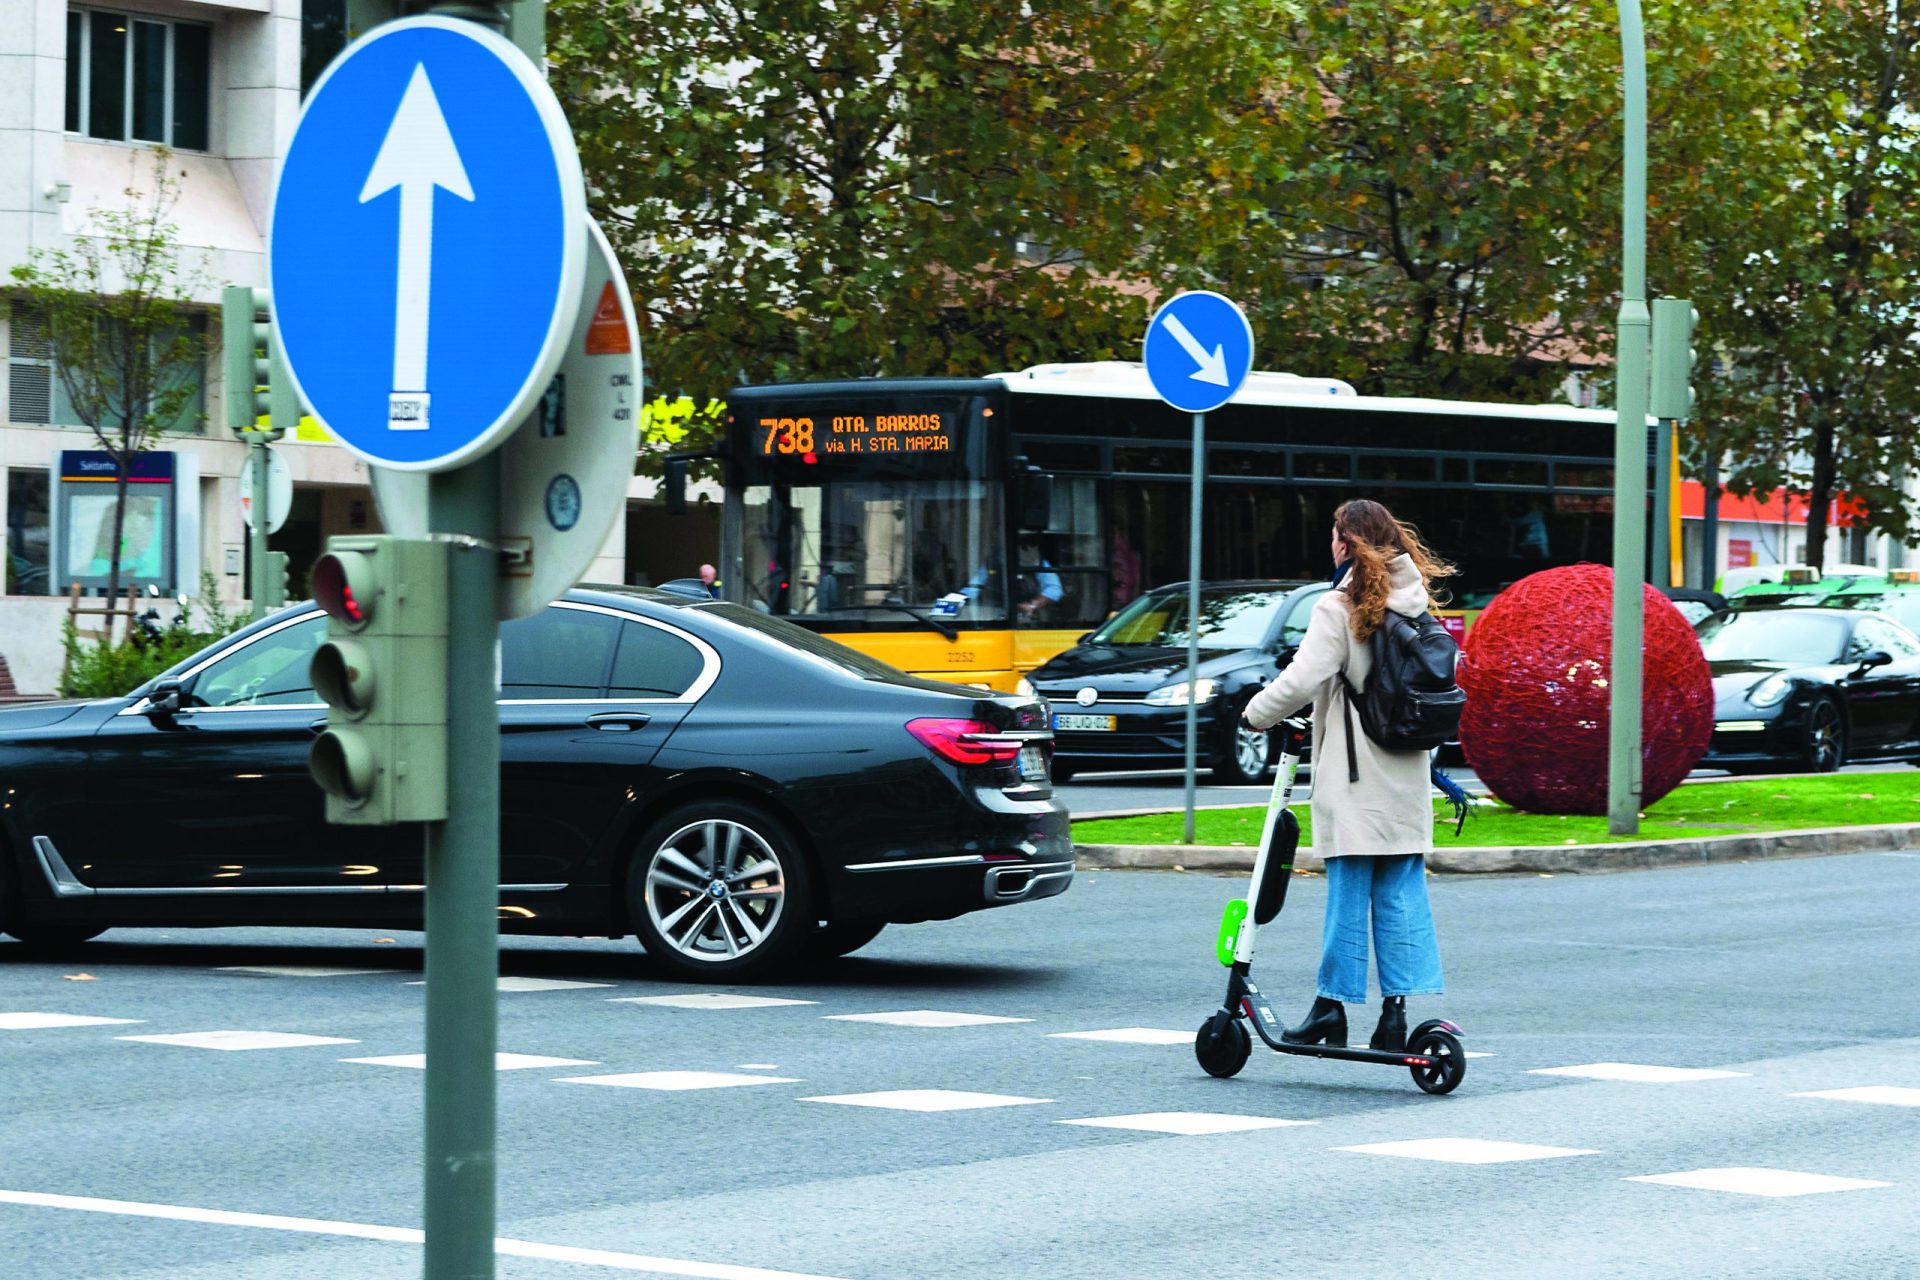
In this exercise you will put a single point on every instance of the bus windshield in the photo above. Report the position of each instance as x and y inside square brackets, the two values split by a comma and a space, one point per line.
[860, 549]
[1230, 618]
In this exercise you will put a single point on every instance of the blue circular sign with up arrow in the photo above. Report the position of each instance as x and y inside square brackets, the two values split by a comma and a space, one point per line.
[1199, 349]
[428, 243]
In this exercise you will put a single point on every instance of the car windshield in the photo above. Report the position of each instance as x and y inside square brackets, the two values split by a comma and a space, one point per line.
[1230, 618]
[1901, 606]
[1773, 635]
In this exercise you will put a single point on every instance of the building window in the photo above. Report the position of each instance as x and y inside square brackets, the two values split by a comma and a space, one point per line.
[138, 79]
[28, 544]
[37, 394]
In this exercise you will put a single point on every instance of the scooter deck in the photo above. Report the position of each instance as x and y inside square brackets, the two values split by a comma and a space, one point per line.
[1260, 1014]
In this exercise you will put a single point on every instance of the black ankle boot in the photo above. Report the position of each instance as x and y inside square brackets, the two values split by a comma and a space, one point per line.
[1391, 1033]
[1326, 1024]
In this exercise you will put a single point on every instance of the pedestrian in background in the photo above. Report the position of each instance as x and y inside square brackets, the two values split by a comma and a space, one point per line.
[710, 579]
[1373, 832]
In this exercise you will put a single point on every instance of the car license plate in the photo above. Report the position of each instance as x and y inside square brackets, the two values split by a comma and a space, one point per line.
[1098, 724]
[1033, 764]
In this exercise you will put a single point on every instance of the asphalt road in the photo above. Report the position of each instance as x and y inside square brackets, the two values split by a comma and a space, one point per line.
[1792, 978]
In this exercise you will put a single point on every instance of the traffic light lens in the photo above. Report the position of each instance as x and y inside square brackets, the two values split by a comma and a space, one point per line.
[343, 766]
[333, 577]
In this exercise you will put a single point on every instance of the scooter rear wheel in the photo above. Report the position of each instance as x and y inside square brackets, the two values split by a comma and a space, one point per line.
[1449, 1060]
[1222, 1045]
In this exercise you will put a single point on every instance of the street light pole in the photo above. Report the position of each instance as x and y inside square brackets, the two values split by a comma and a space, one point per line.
[1630, 443]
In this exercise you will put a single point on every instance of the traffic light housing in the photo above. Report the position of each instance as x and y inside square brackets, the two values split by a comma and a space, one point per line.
[277, 584]
[382, 672]
[260, 394]
[1674, 322]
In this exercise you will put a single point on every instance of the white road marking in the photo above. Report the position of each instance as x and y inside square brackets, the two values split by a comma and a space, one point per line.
[710, 1000]
[236, 1040]
[403, 1235]
[1466, 1150]
[1638, 1073]
[513, 983]
[299, 970]
[501, 1061]
[1476, 1053]
[1759, 1182]
[927, 1100]
[923, 1018]
[1128, 1035]
[40, 1021]
[1885, 1094]
[676, 1080]
[1186, 1122]
[759, 1066]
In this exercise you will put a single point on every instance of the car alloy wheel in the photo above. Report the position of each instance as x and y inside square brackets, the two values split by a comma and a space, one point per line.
[1826, 738]
[718, 888]
[1248, 753]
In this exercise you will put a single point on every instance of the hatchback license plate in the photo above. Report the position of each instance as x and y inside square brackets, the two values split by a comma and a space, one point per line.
[1100, 724]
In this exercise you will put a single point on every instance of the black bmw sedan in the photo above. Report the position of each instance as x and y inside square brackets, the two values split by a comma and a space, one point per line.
[1119, 697]
[1810, 689]
[652, 747]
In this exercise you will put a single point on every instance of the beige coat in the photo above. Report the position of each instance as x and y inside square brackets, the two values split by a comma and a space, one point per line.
[1390, 809]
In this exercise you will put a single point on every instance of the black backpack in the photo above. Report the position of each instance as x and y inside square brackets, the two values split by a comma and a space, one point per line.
[1411, 702]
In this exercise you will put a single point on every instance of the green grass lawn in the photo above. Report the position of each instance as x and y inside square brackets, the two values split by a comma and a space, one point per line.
[1695, 809]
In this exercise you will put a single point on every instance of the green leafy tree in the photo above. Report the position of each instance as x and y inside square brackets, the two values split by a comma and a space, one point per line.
[115, 306]
[1449, 223]
[1811, 263]
[809, 188]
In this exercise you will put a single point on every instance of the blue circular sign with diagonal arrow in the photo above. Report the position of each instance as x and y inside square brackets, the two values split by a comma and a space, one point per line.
[428, 243]
[1199, 348]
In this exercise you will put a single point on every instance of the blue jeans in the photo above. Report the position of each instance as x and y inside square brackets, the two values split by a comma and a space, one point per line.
[1394, 887]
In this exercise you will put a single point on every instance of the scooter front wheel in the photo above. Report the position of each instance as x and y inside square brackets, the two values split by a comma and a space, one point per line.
[1449, 1065]
[1222, 1045]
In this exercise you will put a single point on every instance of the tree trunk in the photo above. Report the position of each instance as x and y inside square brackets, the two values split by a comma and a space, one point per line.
[123, 464]
[1820, 498]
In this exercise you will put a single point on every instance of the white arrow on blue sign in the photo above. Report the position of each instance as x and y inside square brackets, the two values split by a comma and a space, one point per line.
[428, 243]
[1198, 351]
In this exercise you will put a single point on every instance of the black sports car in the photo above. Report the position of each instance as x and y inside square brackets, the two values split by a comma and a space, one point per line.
[1119, 697]
[732, 789]
[1810, 689]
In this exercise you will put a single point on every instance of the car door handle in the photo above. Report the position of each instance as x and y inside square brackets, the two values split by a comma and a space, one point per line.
[319, 726]
[619, 721]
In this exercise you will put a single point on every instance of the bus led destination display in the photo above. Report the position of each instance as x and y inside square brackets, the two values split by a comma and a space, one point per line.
[822, 436]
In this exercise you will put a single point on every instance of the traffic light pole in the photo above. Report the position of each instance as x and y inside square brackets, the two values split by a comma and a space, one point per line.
[1630, 444]
[257, 458]
[463, 890]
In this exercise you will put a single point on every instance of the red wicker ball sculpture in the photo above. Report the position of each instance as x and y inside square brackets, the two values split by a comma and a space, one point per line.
[1536, 672]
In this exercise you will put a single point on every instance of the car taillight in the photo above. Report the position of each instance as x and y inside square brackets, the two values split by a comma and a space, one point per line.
[964, 741]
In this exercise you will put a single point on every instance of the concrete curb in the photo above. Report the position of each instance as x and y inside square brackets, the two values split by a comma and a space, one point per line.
[1549, 859]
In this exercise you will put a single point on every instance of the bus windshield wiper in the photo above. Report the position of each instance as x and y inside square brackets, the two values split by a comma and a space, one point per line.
[901, 606]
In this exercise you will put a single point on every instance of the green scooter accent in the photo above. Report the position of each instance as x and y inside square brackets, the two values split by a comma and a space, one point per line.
[1230, 922]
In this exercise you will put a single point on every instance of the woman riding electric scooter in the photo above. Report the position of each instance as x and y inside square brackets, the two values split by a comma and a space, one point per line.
[1373, 831]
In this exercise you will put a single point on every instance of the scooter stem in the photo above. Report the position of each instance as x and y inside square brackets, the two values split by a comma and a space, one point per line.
[1277, 803]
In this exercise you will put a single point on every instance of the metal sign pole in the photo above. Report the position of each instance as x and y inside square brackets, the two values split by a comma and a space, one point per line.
[1630, 444]
[262, 505]
[1193, 605]
[463, 892]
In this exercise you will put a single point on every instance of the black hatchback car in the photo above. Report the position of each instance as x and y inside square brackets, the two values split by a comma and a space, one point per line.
[1810, 689]
[653, 747]
[1119, 697]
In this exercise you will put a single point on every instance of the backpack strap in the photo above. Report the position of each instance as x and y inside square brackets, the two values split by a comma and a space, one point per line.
[1346, 708]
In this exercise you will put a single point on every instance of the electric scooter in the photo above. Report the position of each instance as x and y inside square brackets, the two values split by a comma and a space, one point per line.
[1433, 1053]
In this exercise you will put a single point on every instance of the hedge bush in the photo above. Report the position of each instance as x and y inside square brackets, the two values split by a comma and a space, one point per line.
[111, 668]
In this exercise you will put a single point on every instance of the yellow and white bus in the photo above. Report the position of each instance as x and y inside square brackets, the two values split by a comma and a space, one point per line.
[970, 529]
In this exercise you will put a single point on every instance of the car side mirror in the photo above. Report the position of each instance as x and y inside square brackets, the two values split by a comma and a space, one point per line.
[1032, 496]
[165, 700]
[1874, 658]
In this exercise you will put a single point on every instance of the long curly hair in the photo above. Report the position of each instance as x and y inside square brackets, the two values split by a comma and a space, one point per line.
[1375, 537]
